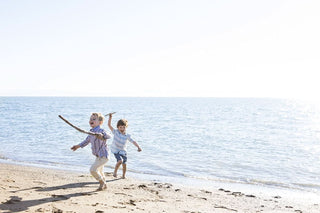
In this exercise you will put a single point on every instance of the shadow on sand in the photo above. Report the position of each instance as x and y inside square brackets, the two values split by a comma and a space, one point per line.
[17, 204]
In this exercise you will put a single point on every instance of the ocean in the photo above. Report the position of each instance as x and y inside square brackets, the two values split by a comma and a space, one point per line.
[247, 142]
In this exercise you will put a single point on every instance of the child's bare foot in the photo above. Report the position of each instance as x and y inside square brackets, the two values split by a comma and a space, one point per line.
[103, 186]
[123, 177]
[115, 175]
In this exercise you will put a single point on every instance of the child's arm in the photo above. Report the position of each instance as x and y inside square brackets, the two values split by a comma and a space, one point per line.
[82, 144]
[109, 123]
[137, 145]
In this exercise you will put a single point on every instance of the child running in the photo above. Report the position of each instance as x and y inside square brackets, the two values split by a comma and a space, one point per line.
[119, 145]
[99, 148]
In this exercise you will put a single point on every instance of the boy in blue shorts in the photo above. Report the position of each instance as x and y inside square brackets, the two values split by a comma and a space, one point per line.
[119, 145]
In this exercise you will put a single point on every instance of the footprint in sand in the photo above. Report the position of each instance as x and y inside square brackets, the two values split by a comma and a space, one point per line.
[205, 191]
[142, 186]
[224, 190]
[237, 194]
[56, 210]
[163, 185]
[132, 203]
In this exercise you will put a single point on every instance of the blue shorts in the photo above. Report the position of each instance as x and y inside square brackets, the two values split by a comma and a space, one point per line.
[121, 155]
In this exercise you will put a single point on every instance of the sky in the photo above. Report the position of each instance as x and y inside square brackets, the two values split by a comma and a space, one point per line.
[167, 48]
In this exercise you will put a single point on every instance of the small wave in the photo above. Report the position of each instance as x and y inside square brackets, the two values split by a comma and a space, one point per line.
[159, 171]
[256, 182]
[270, 183]
[43, 164]
[308, 185]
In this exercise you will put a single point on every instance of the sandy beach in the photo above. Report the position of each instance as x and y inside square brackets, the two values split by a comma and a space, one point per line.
[32, 189]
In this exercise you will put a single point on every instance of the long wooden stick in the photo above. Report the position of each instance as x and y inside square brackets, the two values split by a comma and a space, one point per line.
[111, 113]
[77, 128]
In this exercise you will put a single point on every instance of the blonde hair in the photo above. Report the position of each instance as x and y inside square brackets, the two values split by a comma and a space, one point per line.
[99, 115]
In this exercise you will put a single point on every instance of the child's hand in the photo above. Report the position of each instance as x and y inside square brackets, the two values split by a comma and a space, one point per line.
[75, 147]
[139, 149]
[100, 136]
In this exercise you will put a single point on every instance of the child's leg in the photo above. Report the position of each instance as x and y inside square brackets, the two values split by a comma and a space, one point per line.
[119, 161]
[94, 170]
[97, 166]
[100, 171]
[116, 168]
[124, 166]
[124, 169]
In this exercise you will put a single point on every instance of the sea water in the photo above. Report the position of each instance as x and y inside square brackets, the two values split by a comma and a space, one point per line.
[272, 143]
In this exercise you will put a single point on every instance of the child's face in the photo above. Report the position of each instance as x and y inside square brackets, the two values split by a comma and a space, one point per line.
[122, 129]
[94, 121]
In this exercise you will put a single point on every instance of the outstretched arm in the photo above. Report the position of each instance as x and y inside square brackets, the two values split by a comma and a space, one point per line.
[137, 145]
[109, 122]
[75, 147]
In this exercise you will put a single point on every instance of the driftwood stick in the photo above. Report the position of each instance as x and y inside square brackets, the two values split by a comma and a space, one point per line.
[77, 128]
[111, 113]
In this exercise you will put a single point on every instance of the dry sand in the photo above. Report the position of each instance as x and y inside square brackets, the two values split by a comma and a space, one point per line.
[31, 189]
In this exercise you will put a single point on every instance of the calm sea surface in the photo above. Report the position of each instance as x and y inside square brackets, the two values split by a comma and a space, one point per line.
[255, 142]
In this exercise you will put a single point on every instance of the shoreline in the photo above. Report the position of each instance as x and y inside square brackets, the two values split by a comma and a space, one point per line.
[249, 188]
[34, 189]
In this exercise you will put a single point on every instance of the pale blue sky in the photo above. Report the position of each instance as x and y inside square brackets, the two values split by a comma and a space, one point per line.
[160, 48]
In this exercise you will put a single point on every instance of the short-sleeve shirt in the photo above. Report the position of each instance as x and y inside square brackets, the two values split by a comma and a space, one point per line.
[120, 141]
